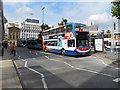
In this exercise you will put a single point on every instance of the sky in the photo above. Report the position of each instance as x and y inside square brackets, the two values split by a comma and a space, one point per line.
[97, 12]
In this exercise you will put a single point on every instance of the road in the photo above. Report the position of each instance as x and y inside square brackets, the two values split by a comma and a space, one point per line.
[45, 70]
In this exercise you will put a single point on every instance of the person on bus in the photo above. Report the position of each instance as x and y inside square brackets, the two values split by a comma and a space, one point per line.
[13, 49]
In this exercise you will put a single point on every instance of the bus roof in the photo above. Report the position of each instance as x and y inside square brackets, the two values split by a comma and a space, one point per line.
[79, 24]
[75, 24]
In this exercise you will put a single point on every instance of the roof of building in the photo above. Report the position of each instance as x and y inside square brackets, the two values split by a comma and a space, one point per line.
[13, 27]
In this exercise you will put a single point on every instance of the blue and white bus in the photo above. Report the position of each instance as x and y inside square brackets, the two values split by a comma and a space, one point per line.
[34, 44]
[69, 39]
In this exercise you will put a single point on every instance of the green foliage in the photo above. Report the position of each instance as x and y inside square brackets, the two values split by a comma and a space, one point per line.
[44, 27]
[64, 21]
[116, 9]
[108, 31]
[102, 32]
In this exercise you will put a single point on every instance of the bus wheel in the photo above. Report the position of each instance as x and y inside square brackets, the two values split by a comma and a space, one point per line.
[45, 50]
[63, 52]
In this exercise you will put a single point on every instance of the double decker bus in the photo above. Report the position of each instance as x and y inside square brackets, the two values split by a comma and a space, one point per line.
[69, 39]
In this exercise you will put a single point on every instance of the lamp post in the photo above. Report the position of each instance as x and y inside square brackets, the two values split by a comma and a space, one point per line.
[112, 35]
[43, 18]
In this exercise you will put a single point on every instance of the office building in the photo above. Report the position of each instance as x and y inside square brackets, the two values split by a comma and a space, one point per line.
[30, 28]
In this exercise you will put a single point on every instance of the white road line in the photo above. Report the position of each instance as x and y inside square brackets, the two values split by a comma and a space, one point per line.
[104, 63]
[47, 57]
[55, 60]
[69, 65]
[95, 72]
[36, 53]
[107, 64]
[45, 53]
[117, 80]
[82, 68]
[42, 76]
[25, 64]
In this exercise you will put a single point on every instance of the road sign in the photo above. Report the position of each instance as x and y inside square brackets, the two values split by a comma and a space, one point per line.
[99, 45]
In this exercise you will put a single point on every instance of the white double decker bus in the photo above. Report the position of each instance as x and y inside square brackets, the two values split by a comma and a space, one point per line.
[69, 39]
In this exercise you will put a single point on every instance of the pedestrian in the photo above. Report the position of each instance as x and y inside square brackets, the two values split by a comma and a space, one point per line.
[13, 49]
[10, 47]
[105, 48]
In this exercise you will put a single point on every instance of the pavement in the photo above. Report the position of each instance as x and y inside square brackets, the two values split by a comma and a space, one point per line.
[111, 57]
[8, 76]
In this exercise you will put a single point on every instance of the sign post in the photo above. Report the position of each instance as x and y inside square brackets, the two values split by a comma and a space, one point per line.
[99, 45]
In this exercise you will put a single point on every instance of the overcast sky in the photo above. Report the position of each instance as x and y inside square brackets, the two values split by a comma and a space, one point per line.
[74, 11]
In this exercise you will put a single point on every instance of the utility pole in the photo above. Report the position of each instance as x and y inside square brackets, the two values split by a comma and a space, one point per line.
[2, 25]
[43, 18]
[112, 36]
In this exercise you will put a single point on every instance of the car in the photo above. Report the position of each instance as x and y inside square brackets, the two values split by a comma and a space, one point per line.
[21, 45]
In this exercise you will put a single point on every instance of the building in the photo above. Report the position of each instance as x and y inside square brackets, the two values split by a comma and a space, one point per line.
[93, 29]
[8, 25]
[13, 34]
[30, 28]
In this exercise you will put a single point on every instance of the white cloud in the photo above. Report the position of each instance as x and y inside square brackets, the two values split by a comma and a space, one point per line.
[103, 20]
[24, 10]
[100, 18]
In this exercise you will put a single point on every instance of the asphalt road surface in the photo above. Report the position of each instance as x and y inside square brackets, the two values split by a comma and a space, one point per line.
[38, 69]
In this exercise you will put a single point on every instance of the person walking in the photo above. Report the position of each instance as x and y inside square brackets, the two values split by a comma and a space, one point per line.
[13, 49]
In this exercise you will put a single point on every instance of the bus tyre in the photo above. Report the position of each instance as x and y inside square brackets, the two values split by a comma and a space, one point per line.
[63, 52]
[44, 49]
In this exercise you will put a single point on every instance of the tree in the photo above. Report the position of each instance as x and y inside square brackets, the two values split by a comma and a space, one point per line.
[44, 27]
[108, 31]
[102, 32]
[115, 10]
[64, 21]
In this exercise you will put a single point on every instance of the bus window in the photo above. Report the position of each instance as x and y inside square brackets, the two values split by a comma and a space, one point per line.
[71, 43]
[69, 28]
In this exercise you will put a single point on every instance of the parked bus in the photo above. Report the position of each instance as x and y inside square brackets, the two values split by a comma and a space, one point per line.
[69, 39]
[108, 40]
[34, 44]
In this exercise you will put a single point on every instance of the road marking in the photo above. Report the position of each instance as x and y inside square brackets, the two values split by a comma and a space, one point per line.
[47, 57]
[42, 76]
[69, 65]
[55, 60]
[25, 64]
[104, 63]
[94, 72]
[107, 64]
[116, 80]
[29, 51]
[45, 53]
[82, 68]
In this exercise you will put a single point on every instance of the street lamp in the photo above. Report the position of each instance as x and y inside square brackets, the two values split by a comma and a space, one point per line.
[43, 18]
[112, 35]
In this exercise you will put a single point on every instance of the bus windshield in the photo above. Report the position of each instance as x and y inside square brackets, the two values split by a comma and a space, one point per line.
[82, 39]
[82, 35]
[80, 27]
[82, 43]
